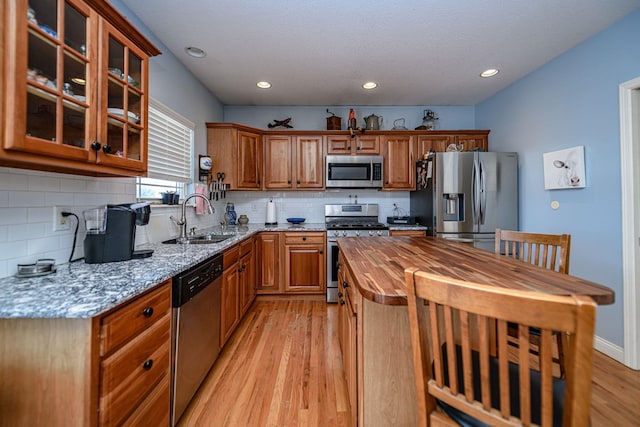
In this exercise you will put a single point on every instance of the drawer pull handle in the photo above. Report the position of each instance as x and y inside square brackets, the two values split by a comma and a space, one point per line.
[304, 239]
[147, 312]
[148, 364]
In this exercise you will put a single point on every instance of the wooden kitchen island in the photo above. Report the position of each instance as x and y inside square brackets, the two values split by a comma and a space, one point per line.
[374, 326]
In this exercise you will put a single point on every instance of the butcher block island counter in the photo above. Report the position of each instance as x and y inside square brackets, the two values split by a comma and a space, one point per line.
[373, 318]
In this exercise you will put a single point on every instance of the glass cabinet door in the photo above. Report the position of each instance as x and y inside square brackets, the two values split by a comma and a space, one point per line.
[122, 130]
[53, 101]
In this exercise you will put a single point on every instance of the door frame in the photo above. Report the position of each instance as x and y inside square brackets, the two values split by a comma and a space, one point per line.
[630, 193]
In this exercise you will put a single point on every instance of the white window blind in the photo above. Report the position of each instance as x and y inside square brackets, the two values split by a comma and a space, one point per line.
[170, 144]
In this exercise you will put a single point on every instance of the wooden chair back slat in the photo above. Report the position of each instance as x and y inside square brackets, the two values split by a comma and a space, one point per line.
[549, 251]
[455, 363]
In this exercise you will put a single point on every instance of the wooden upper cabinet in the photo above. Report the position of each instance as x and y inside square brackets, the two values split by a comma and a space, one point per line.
[427, 143]
[294, 162]
[236, 152]
[470, 142]
[309, 162]
[249, 161]
[267, 263]
[78, 103]
[359, 144]
[399, 162]
[278, 158]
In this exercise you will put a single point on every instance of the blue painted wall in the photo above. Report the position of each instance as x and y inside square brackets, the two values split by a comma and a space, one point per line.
[315, 117]
[571, 101]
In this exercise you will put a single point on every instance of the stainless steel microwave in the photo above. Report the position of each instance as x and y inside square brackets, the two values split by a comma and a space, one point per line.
[354, 171]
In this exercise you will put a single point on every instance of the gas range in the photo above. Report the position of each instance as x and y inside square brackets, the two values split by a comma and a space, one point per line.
[351, 220]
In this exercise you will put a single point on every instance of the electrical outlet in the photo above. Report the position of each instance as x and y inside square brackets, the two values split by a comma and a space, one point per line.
[61, 223]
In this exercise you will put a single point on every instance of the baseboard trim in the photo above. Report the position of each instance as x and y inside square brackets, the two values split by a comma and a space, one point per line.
[613, 351]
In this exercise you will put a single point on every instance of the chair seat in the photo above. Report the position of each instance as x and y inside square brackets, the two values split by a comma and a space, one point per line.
[467, 421]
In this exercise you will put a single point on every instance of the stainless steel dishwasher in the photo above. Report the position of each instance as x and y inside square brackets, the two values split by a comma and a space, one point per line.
[196, 326]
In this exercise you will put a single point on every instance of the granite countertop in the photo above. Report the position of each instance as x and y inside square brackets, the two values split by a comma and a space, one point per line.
[81, 290]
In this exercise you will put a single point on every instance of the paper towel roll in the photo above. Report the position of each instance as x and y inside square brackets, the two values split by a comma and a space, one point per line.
[271, 214]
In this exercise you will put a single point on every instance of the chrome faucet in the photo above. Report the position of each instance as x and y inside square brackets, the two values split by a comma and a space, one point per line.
[182, 223]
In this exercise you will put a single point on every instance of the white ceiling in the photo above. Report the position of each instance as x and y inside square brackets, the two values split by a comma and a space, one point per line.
[421, 52]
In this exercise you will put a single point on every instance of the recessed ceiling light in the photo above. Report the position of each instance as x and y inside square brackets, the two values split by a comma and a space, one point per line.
[263, 85]
[196, 52]
[370, 85]
[489, 73]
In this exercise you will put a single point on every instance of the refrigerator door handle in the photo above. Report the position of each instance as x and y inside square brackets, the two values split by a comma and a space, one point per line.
[483, 193]
[475, 194]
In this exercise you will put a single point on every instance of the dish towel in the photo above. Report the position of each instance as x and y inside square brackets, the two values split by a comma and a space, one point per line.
[200, 207]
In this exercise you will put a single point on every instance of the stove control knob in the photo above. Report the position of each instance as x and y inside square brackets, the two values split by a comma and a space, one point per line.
[379, 233]
[371, 233]
[344, 233]
[357, 233]
[336, 233]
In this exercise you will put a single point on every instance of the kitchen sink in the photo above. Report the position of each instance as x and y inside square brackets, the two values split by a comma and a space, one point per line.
[200, 240]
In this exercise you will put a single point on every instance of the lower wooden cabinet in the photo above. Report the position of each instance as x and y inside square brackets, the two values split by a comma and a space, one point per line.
[291, 262]
[304, 262]
[347, 314]
[268, 263]
[113, 369]
[230, 307]
[247, 275]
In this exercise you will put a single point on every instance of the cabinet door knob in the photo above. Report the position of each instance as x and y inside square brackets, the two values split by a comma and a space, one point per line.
[321, 252]
[304, 239]
[345, 285]
[342, 302]
[106, 149]
[298, 181]
[148, 364]
[289, 181]
[147, 312]
[95, 145]
[358, 148]
[339, 294]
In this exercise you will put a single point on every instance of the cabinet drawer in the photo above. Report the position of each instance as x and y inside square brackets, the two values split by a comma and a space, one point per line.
[303, 238]
[246, 246]
[129, 374]
[120, 326]
[230, 257]
[155, 409]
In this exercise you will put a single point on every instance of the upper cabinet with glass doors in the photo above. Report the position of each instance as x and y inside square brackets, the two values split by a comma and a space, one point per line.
[75, 89]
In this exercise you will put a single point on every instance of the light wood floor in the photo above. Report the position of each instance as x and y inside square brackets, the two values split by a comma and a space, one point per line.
[282, 367]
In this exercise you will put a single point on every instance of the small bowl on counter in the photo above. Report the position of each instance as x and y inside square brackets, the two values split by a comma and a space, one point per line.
[295, 221]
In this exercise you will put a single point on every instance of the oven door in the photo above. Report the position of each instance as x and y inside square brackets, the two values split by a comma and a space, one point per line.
[332, 271]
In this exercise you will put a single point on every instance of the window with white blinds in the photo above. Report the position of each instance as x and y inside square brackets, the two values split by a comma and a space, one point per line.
[170, 151]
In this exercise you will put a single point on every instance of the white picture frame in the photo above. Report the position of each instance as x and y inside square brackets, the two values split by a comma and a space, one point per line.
[564, 169]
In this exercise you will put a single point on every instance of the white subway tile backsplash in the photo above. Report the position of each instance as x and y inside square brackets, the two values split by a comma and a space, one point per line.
[26, 231]
[20, 199]
[40, 214]
[43, 183]
[4, 199]
[13, 216]
[43, 244]
[73, 185]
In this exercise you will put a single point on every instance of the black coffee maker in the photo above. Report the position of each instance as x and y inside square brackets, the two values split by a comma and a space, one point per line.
[111, 232]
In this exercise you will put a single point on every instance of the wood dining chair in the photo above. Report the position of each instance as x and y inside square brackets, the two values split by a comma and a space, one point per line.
[550, 251]
[458, 379]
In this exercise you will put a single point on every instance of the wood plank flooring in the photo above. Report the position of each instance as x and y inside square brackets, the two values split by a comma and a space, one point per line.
[282, 367]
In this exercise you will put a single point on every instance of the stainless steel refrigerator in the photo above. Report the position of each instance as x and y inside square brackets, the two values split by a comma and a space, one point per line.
[465, 196]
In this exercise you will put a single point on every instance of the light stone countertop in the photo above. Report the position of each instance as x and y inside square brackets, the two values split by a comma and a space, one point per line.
[81, 290]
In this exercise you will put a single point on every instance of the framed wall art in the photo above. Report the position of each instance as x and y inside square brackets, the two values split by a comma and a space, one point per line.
[564, 169]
